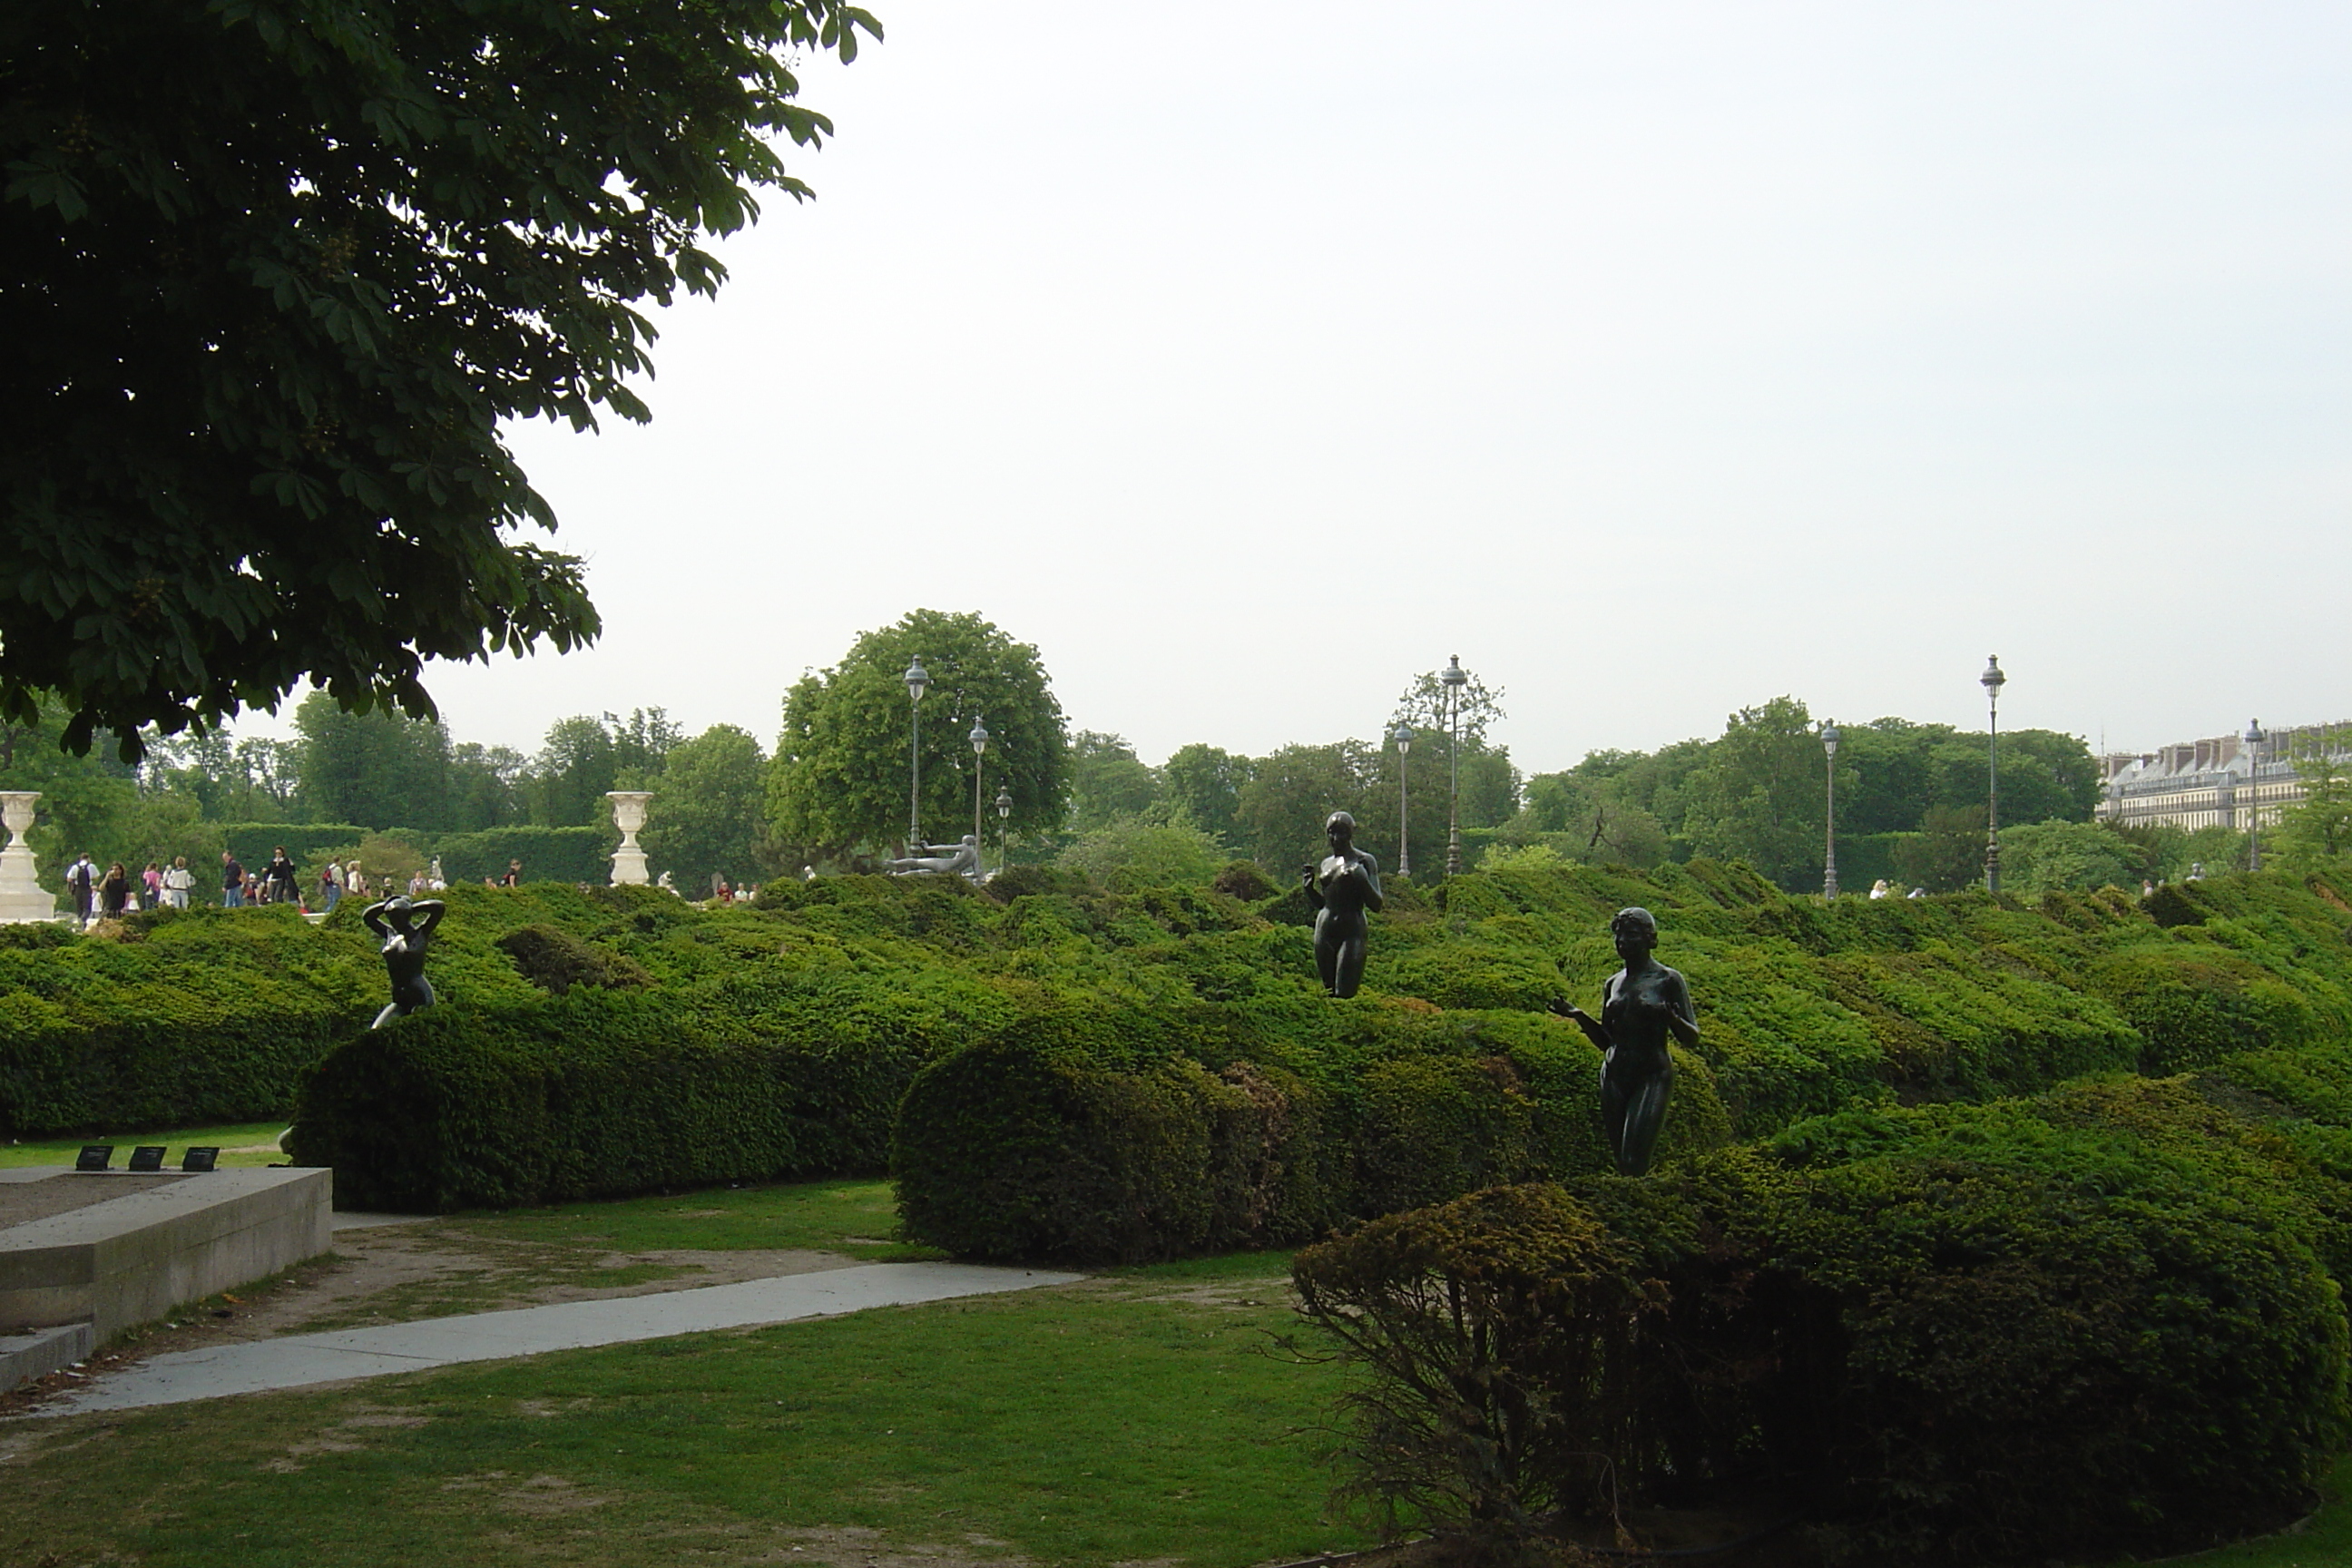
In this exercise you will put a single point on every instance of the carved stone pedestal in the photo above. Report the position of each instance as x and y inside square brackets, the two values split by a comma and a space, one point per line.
[21, 898]
[628, 815]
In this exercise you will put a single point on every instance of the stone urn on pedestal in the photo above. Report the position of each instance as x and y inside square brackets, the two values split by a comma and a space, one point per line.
[22, 898]
[628, 815]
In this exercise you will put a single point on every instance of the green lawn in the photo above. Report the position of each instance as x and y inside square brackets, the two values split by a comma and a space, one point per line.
[260, 1137]
[2325, 1543]
[1136, 1416]
[1132, 1416]
[858, 1216]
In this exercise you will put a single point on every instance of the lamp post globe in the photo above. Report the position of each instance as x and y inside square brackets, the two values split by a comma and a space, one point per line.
[2253, 739]
[1829, 847]
[919, 681]
[979, 738]
[1993, 679]
[1454, 678]
[1402, 736]
[1003, 822]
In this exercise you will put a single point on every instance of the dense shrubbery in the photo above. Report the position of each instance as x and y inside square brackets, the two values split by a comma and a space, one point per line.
[2096, 1319]
[198, 1015]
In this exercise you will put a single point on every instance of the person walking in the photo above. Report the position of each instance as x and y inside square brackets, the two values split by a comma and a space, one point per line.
[114, 892]
[150, 887]
[82, 879]
[177, 883]
[232, 882]
[513, 878]
[331, 886]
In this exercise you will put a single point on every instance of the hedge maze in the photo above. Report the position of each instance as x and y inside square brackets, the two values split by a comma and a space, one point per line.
[2021, 1223]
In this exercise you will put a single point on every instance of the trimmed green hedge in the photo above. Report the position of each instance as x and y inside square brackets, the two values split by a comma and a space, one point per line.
[1124, 1135]
[200, 1016]
[593, 1093]
[2027, 1331]
[548, 853]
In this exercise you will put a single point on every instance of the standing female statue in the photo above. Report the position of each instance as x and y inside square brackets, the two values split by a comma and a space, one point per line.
[1341, 889]
[406, 927]
[1641, 1006]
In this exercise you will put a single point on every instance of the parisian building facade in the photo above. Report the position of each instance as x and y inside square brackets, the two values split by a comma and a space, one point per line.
[2218, 782]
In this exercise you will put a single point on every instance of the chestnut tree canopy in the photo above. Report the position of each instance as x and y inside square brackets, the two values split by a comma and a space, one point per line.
[272, 274]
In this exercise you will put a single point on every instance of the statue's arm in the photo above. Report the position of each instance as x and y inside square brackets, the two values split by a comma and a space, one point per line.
[1584, 1020]
[1681, 1016]
[431, 910]
[1373, 898]
[372, 918]
[1314, 893]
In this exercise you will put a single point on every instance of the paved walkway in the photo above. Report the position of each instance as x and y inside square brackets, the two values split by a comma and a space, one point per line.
[294, 1361]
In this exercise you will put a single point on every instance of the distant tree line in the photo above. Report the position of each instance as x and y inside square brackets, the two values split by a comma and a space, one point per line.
[836, 795]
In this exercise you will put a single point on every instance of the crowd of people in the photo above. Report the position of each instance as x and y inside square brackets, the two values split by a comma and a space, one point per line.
[114, 891]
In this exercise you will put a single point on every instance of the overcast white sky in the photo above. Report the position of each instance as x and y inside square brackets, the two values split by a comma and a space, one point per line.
[1655, 358]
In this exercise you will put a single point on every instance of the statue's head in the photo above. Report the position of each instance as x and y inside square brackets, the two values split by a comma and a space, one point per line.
[398, 908]
[1340, 829]
[1634, 929]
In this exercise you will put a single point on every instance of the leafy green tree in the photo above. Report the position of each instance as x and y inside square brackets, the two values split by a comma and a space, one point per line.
[1586, 819]
[1283, 808]
[93, 802]
[1761, 795]
[2054, 856]
[378, 770]
[841, 774]
[1205, 783]
[275, 274]
[1134, 852]
[577, 765]
[228, 778]
[709, 816]
[641, 746]
[486, 787]
[1948, 854]
[1422, 704]
[2316, 833]
[1107, 781]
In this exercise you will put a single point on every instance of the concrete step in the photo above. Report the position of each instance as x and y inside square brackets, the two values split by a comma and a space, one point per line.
[40, 1352]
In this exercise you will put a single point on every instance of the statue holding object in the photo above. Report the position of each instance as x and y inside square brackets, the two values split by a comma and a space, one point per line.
[1641, 1006]
[406, 927]
[1342, 887]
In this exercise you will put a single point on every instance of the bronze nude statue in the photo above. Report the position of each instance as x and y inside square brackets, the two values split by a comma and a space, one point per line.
[1641, 1006]
[1342, 887]
[406, 927]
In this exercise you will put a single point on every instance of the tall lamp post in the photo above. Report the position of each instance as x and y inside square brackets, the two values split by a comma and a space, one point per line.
[1828, 845]
[1455, 678]
[1404, 739]
[979, 738]
[919, 681]
[1993, 680]
[2254, 738]
[1003, 822]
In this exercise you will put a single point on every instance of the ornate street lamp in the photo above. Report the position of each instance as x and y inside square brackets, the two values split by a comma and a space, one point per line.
[919, 681]
[1404, 739]
[1829, 847]
[1003, 822]
[979, 738]
[1993, 680]
[2254, 739]
[1455, 678]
